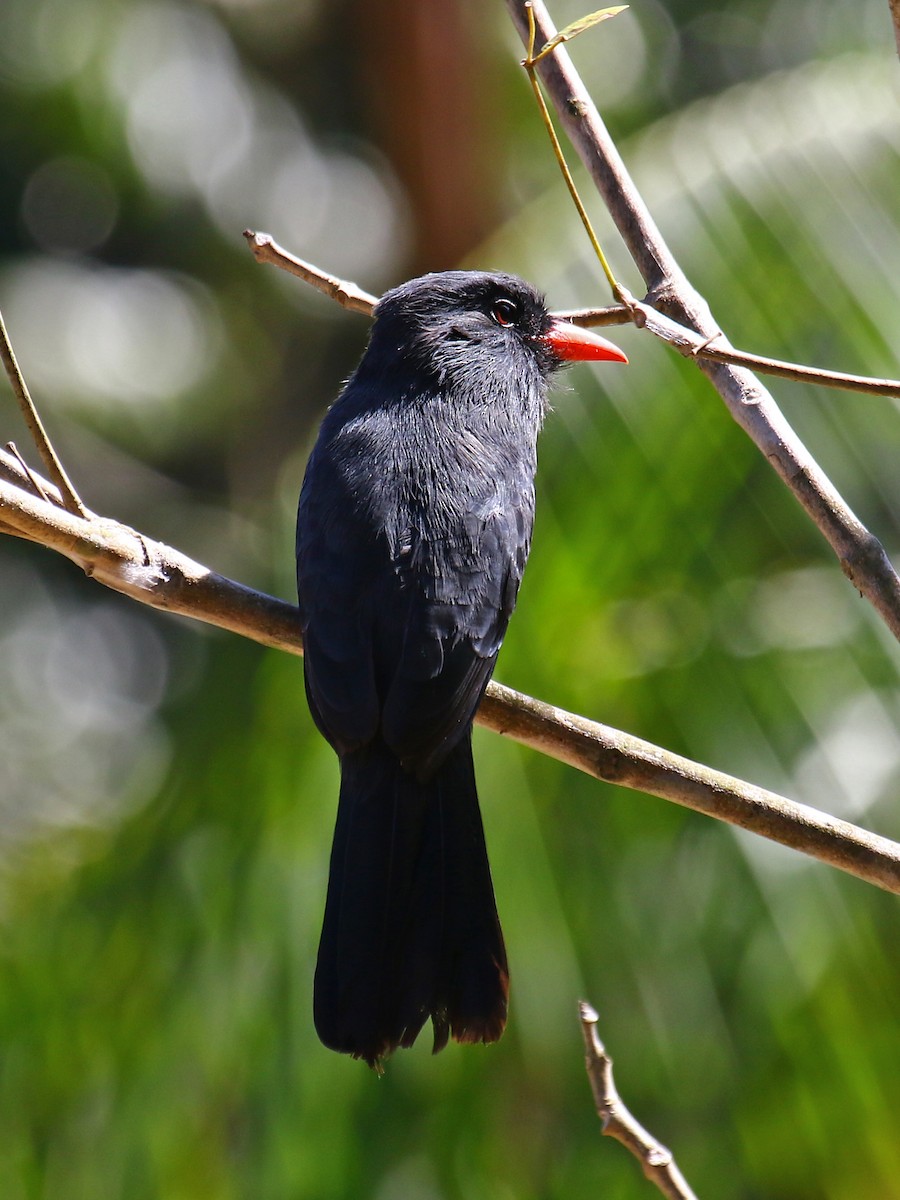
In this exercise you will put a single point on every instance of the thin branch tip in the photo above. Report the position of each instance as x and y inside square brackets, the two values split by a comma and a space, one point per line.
[348, 295]
[69, 498]
[617, 1121]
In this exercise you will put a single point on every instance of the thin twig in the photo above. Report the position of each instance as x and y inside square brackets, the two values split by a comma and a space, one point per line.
[692, 344]
[861, 555]
[163, 578]
[529, 63]
[266, 250]
[616, 757]
[803, 374]
[612, 314]
[70, 498]
[14, 469]
[686, 341]
[29, 475]
[656, 1160]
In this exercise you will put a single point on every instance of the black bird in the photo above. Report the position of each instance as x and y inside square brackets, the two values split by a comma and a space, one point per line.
[413, 529]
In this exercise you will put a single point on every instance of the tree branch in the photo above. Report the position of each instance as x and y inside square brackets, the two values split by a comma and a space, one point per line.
[146, 570]
[70, 498]
[693, 345]
[349, 295]
[688, 343]
[157, 575]
[862, 557]
[657, 1162]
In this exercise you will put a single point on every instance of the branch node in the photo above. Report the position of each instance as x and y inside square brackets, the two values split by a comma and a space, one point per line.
[701, 347]
[635, 309]
[27, 471]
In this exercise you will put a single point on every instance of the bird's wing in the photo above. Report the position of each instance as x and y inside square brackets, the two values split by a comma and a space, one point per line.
[466, 592]
[339, 569]
[405, 585]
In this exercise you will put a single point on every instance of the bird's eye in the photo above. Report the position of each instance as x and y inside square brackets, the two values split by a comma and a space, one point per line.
[505, 312]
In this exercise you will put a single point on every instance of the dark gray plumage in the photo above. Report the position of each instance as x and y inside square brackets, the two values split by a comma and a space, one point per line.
[414, 526]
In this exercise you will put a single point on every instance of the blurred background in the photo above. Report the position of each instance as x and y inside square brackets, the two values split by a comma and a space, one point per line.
[165, 804]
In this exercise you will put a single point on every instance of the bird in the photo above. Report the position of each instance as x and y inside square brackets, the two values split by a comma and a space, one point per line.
[414, 525]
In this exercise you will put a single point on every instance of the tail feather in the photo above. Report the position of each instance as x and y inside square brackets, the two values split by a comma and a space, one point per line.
[411, 928]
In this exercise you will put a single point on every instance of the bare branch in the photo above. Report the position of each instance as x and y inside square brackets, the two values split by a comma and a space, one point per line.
[157, 575]
[803, 374]
[686, 341]
[148, 571]
[694, 345]
[70, 498]
[29, 476]
[266, 250]
[612, 314]
[619, 758]
[861, 555]
[657, 1162]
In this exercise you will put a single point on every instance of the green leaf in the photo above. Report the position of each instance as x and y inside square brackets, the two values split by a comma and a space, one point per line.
[576, 27]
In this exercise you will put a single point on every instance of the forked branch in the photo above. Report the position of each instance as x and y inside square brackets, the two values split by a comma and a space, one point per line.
[53, 466]
[686, 341]
[861, 555]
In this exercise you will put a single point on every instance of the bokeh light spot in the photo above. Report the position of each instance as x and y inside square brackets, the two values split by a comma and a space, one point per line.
[69, 205]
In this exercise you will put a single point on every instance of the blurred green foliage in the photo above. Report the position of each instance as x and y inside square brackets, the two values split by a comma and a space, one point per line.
[165, 805]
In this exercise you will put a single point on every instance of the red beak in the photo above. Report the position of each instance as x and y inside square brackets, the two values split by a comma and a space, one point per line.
[574, 344]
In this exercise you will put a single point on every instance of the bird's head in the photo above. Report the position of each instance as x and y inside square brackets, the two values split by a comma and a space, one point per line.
[467, 327]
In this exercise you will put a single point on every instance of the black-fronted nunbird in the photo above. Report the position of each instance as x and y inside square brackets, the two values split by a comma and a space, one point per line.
[414, 526]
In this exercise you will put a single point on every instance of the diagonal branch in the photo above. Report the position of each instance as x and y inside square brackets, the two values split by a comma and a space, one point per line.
[265, 249]
[657, 1162]
[861, 555]
[686, 341]
[70, 498]
[161, 577]
[692, 345]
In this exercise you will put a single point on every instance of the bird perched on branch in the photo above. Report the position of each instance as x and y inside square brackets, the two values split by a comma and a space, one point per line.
[414, 525]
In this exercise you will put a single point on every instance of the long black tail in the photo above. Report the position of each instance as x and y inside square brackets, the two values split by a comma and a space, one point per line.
[411, 928]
